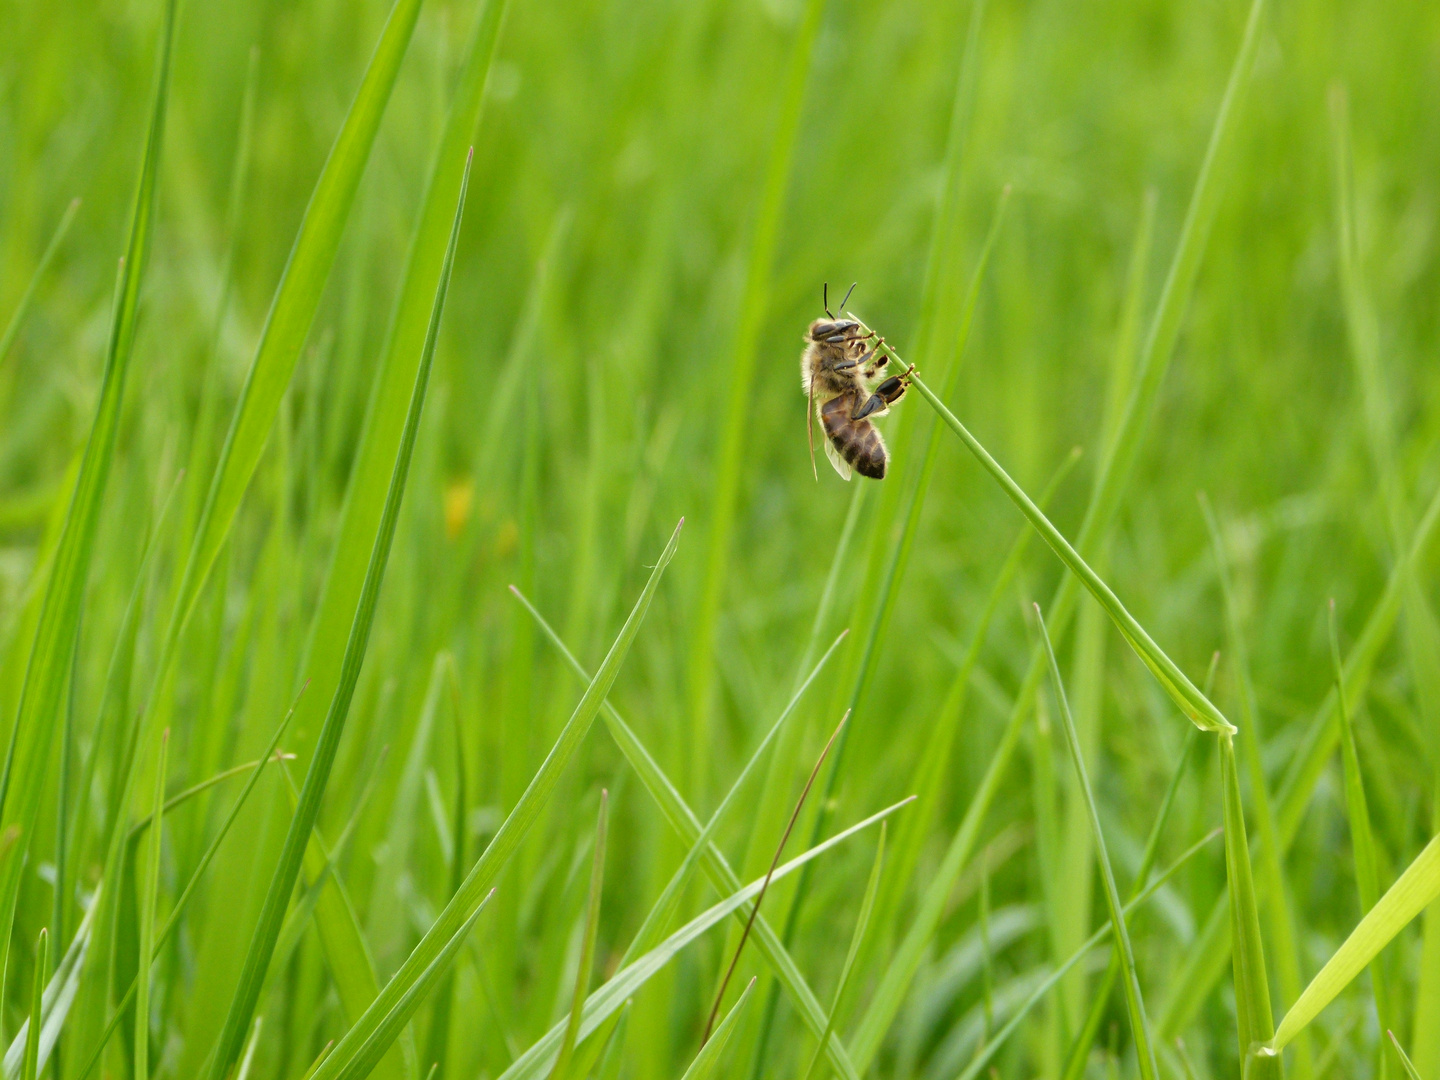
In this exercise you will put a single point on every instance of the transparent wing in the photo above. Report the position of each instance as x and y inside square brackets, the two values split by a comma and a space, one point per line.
[841, 465]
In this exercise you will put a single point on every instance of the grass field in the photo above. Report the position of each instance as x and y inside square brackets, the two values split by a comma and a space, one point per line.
[292, 391]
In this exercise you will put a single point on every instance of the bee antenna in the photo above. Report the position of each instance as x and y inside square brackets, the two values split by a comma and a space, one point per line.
[847, 296]
[825, 298]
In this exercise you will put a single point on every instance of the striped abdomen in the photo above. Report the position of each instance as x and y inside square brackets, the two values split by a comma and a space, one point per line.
[857, 441]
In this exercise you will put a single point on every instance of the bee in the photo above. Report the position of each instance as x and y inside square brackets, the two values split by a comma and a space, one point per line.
[842, 358]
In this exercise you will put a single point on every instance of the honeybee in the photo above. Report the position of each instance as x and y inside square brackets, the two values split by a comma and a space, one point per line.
[842, 358]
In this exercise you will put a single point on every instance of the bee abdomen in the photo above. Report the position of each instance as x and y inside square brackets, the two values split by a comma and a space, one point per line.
[858, 441]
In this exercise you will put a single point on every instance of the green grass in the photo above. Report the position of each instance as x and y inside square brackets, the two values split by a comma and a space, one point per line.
[1137, 250]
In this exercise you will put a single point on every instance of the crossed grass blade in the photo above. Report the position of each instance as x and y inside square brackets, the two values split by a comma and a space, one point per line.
[262, 945]
[47, 672]
[614, 994]
[1134, 1000]
[1111, 478]
[1099, 937]
[717, 868]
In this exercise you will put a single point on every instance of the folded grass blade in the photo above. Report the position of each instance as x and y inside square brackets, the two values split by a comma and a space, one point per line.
[683, 820]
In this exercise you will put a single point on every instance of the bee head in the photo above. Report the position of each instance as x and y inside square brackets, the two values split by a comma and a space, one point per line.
[834, 331]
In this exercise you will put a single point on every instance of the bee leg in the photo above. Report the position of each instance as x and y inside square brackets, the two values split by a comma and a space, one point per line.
[885, 395]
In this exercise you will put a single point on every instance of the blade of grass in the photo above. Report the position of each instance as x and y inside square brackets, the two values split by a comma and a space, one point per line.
[1410, 1070]
[385, 413]
[511, 832]
[1422, 649]
[1276, 898]
[1254, 1022]
[1362, 839]
[182, 797]
[615, 1047]
[531, 1065]
[1205, 959]
[377, 1041]
[59, 995]
[30, 1068]
[149, 895]
[271, 754]
[1195, 705]
[262, 944]
[779, 850]
[248, 1058]
[1111, 478]
[438, 1041]
[663, 908]
[1134, 1000]
[1100, 999]
[342, 940]
[994, 1046]
[709, 1056]
[17, 317]
[33, 735]
[950, 353]
[717, 868]
[561, 1071]
[287, 324]
[740, 369]
[857, 938]
[930, 768]
[1415, 888]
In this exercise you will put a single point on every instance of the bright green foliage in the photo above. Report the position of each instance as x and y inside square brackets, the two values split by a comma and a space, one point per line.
[1215, 271]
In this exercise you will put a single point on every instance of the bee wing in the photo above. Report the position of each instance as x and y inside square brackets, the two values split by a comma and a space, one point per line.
[841, 465]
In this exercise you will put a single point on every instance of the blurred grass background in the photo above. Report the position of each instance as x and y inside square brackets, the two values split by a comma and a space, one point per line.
[576, 411]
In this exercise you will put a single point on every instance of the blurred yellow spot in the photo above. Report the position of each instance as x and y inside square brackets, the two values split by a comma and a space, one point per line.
[458, 497]
[507, 538]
